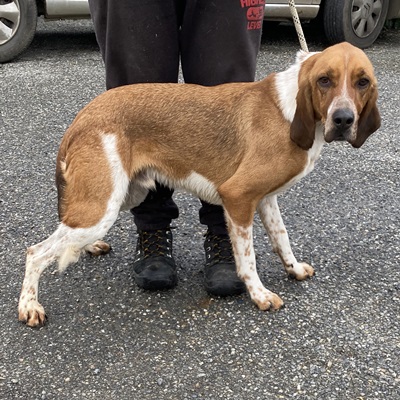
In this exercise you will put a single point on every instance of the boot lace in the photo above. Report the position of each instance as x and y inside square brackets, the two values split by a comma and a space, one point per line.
[218, 249]
[154, 243]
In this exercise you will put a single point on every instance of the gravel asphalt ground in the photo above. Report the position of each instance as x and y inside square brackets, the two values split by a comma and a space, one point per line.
[338, 336]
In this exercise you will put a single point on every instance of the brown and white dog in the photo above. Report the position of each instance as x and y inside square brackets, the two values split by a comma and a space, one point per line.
[238, 145]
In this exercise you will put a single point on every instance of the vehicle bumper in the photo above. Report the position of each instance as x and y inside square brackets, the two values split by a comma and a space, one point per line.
[281, 12]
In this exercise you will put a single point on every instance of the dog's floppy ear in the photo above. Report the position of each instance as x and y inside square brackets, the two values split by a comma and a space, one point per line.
[302, 129]
[368, 122]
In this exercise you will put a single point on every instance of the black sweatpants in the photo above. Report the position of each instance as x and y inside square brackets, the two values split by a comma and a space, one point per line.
[216, 41]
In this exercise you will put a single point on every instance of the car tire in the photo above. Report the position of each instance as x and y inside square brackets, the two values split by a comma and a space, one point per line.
[19, 26]
[358, 22]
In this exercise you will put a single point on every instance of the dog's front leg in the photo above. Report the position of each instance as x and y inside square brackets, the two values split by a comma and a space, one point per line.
[242, 244]
[270, 215]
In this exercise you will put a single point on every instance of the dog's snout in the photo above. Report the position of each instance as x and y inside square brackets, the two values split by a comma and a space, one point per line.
[343, 118]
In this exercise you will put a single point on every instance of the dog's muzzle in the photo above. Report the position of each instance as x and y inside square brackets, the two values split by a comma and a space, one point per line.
[341, 125]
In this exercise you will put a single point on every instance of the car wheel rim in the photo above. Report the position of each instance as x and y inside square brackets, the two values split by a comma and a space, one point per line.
[365, 15]
[9, 19]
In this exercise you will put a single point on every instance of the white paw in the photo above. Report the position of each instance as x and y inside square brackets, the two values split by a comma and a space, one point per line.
[265, 299]
[98, 248]
[300, 271]
[32, 313]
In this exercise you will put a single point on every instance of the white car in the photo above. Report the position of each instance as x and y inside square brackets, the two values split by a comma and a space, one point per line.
[356, 21]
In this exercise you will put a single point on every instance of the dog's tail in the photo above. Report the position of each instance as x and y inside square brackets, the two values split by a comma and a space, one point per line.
[61, 184]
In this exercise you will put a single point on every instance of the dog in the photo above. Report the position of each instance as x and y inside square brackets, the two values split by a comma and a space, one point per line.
[237, 145]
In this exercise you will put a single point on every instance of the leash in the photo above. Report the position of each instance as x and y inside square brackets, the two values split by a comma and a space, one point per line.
[297, 24]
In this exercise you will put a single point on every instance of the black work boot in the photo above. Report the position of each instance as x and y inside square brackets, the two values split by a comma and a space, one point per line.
[154, 267]
[220, 276]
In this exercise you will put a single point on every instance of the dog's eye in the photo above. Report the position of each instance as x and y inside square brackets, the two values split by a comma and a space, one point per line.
[363, 83]
[324, 82]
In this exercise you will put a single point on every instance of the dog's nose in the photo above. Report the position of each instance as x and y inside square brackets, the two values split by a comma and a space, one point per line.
[343, 118]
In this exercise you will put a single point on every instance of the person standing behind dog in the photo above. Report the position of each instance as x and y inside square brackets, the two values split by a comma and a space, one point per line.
[143, 41]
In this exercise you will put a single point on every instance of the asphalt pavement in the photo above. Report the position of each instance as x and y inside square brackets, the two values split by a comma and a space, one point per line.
[338, 336]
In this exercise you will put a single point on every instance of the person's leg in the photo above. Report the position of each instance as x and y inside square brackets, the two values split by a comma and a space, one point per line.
[139, 42]
[219, 44]
[220, 41]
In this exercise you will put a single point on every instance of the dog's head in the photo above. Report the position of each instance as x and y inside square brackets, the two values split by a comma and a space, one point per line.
[337, 87]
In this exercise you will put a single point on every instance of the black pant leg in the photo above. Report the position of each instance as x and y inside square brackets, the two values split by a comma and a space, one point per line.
[139, 42]
[157, 210]
[220, 41]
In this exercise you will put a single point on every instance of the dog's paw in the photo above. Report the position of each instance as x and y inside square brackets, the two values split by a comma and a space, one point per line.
[32, 313]
[300, 271]
[98, 248]
[266, 300]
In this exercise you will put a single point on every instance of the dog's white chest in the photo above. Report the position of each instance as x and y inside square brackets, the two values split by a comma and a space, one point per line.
[315, 151]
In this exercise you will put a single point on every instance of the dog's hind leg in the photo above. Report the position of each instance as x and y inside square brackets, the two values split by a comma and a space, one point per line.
[64, 246]
[38, 257]
[88, 210]
[270, 215]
